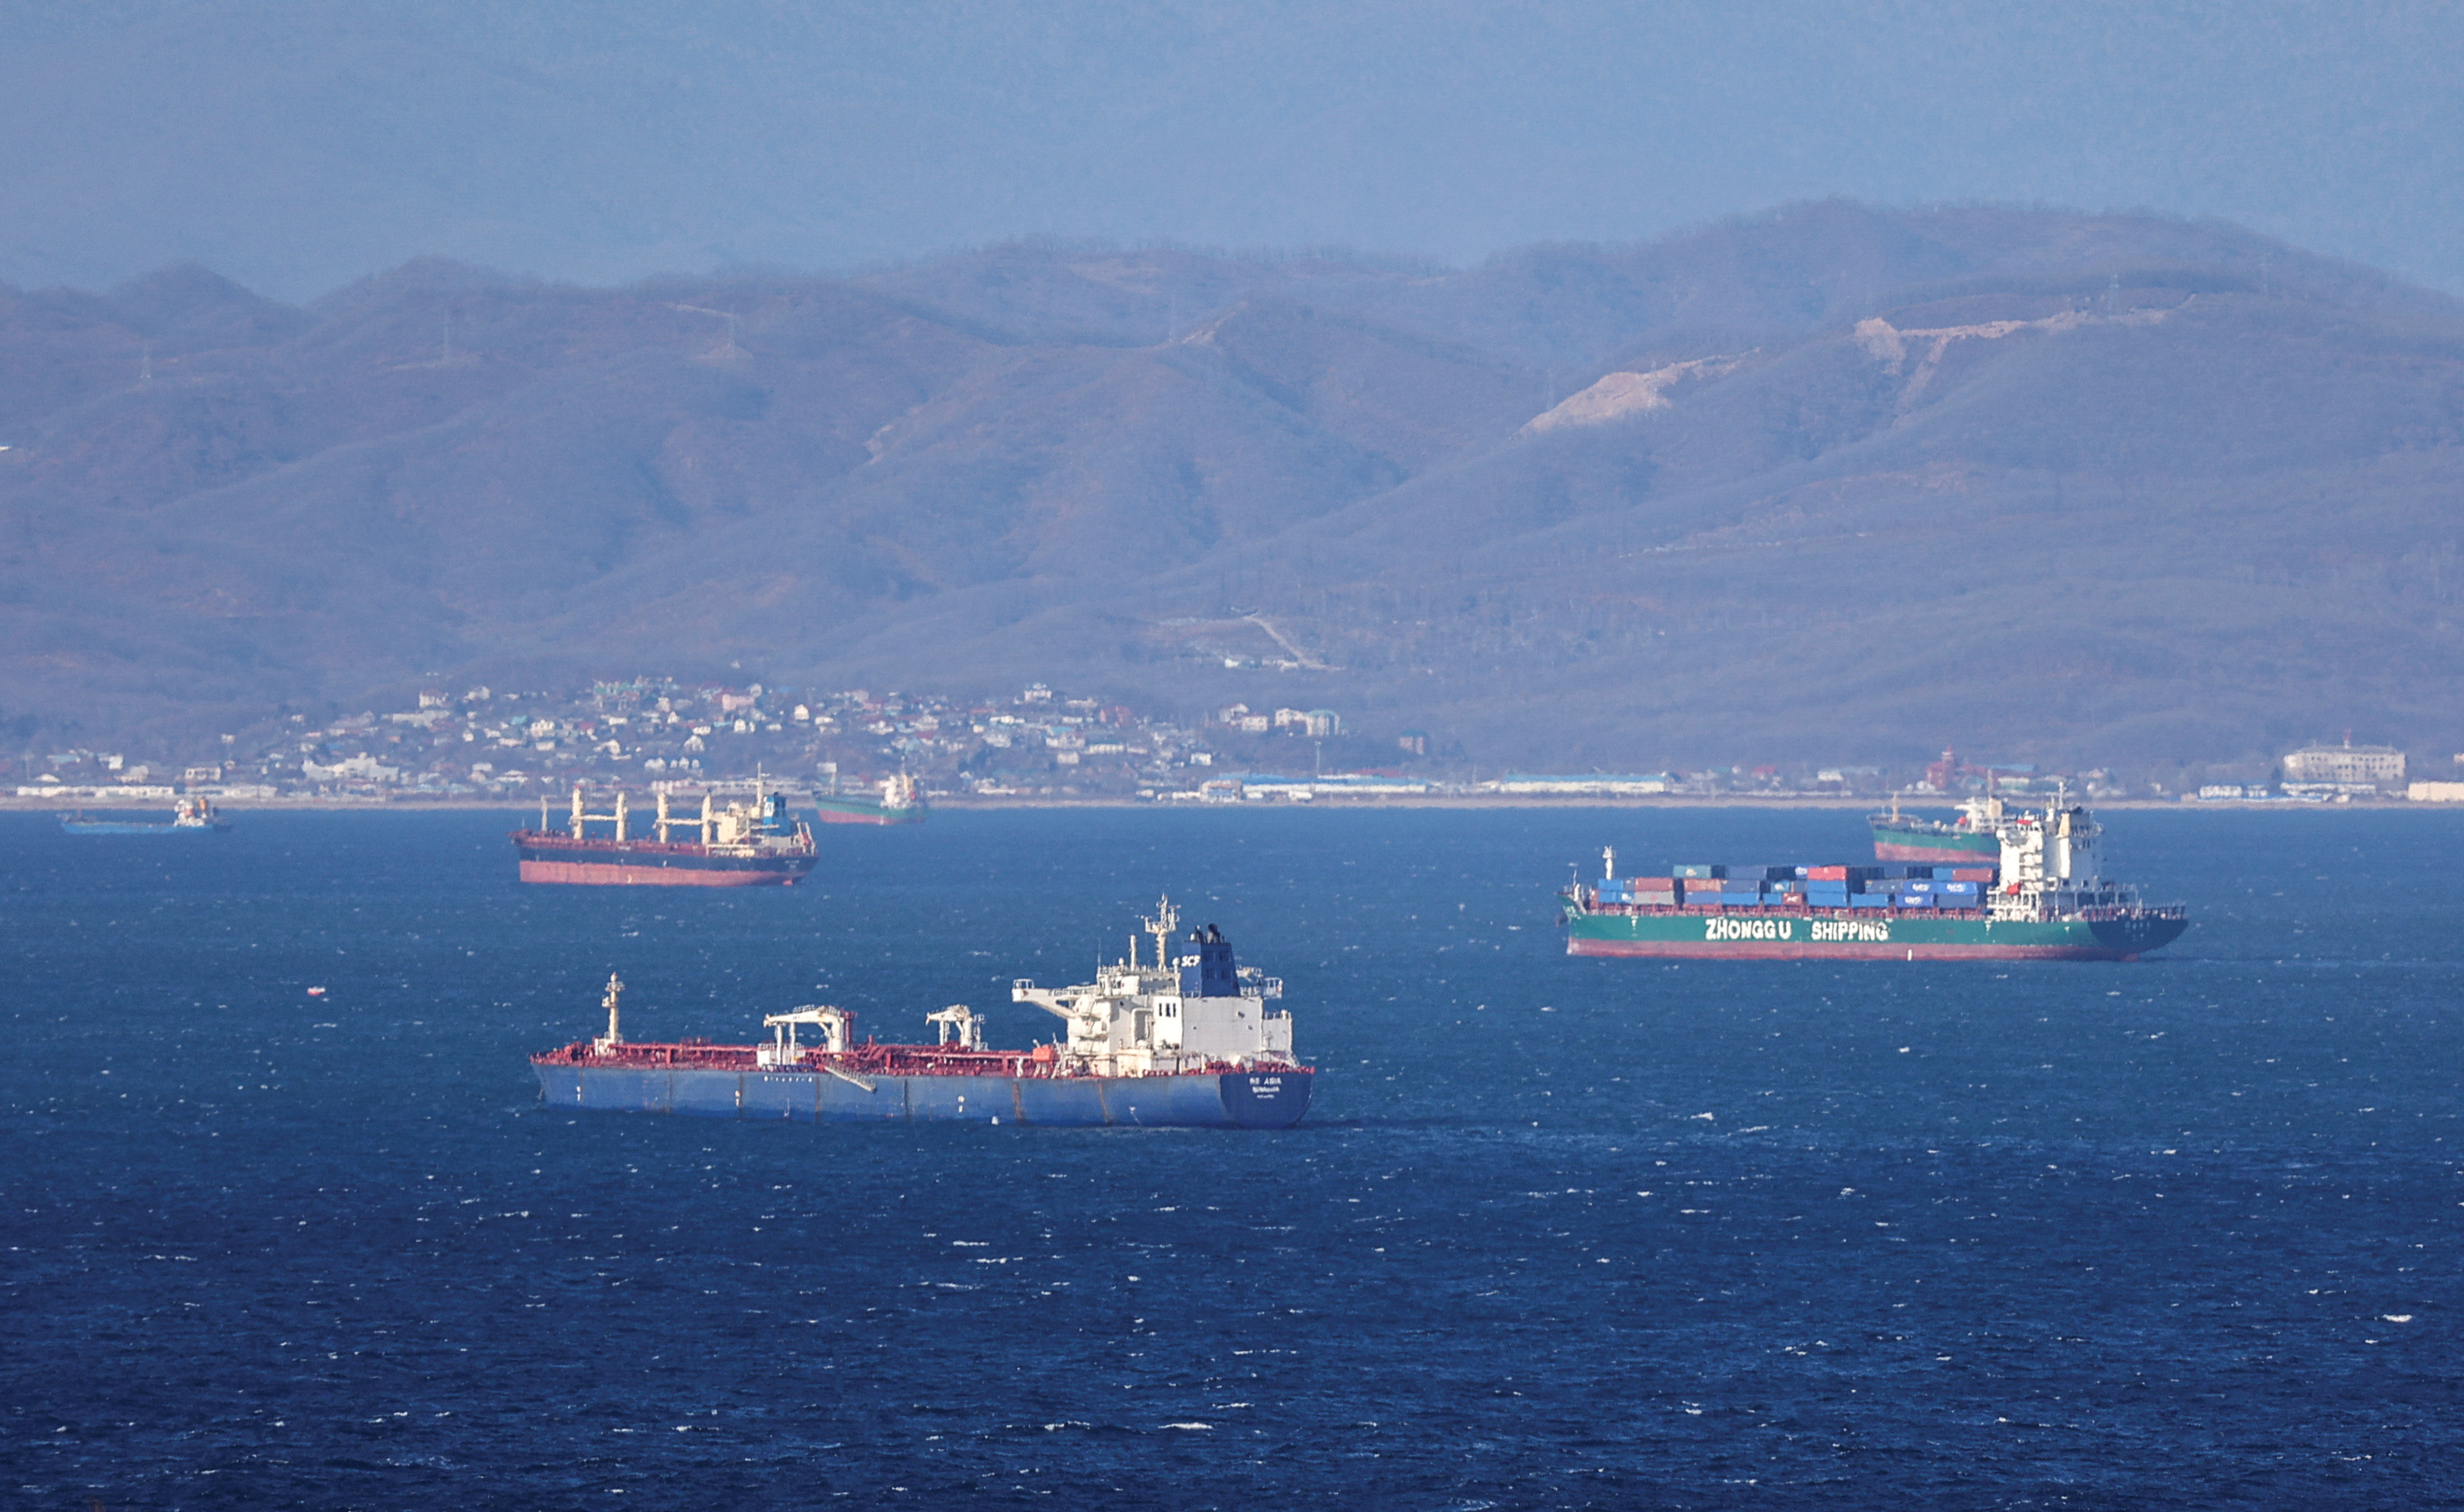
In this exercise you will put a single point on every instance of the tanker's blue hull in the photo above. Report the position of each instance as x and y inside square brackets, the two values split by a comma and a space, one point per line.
[1209, 1099]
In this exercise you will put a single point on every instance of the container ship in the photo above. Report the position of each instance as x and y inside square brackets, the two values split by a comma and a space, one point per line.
[2041, 898]
[190, 816]
[1186, 1041]
[901, 803]
[737, 845]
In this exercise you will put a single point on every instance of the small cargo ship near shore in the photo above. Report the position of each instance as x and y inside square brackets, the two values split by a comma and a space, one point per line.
[737, 844]
[900, 802]
[190, 816]
[1186, 1041]
[2041, 897]
[1970, 840]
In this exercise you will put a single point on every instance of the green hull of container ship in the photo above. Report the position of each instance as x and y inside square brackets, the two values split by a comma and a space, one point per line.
[1862, 935]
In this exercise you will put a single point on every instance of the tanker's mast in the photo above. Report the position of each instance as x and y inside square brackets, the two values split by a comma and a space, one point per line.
[1166, 920]
[615, 1035]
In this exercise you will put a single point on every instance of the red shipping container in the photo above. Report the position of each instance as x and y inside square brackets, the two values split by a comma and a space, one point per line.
[1971, 873]
[1652, 884]
[1826, 873]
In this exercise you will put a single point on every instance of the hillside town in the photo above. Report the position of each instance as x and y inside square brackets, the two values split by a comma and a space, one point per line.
[1041, 745]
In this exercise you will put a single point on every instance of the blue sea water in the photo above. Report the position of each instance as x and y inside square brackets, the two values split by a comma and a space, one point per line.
[1557, 1233]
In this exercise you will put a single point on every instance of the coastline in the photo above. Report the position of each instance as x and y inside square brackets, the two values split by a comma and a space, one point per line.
[1344, 803]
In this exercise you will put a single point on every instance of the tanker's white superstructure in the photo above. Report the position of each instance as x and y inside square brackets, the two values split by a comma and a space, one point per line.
[1189, 1009]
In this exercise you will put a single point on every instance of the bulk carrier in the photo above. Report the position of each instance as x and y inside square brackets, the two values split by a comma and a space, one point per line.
[2041, 898]
[739, 845]
[1184, 1042]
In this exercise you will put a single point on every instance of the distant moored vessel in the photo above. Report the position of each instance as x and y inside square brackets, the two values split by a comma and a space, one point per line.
[1972, 838]
[901, 803]
[191, 816]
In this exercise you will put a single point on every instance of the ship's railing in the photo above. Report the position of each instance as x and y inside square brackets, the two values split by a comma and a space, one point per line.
[872, 1060]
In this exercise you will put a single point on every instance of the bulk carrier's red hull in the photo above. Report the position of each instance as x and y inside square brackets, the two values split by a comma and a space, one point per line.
[619, 874]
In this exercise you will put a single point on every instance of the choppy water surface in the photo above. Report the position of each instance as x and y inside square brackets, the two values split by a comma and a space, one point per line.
[1557, 1233]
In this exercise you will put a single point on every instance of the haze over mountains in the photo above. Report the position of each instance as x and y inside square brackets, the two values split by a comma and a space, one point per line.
[1832, 483]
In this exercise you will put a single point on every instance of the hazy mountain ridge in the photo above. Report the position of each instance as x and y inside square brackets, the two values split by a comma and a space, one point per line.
[2103, 487]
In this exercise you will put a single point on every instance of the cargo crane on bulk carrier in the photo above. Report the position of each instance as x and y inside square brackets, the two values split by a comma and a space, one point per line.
[736, 845]
[1184, 1042]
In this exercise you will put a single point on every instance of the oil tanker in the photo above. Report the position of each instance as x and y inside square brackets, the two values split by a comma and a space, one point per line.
[1185, 1041]
[2041, 898]
[736, 845]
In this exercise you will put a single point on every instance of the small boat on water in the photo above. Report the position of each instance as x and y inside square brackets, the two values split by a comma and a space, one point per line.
[190, 816]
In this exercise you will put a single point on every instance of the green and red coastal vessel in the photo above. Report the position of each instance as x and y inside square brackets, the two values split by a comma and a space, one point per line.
[2038, 897]
[900, 802]
[1970, 840]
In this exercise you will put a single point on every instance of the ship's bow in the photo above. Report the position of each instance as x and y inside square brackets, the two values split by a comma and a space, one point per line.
[2133, 937]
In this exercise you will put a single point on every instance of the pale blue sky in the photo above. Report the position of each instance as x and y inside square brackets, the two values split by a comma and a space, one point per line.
[294, 144]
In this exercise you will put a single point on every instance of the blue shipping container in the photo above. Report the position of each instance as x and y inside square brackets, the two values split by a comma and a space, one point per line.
[1869, 900]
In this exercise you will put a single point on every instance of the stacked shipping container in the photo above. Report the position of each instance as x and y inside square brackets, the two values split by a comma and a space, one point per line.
[1905, 886]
